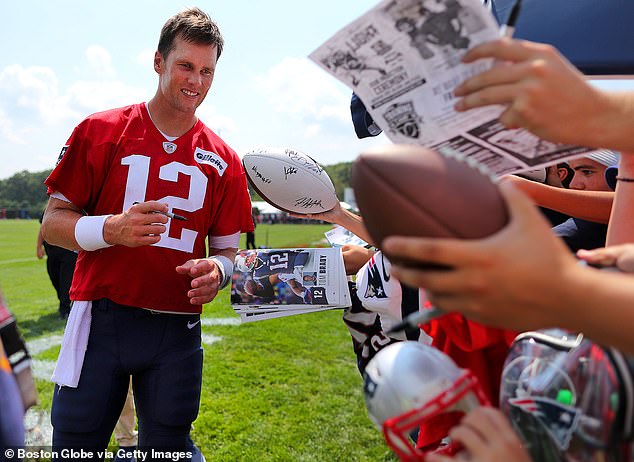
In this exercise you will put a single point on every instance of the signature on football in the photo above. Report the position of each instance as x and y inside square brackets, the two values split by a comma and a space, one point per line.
[260, 176]
[304, 161]
[308, 202]
[289, 171]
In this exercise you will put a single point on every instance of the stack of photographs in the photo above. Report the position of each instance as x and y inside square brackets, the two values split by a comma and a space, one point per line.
[272, 283]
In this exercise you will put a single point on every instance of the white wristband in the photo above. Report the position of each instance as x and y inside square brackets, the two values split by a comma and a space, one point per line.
[89, 232]
[226, 269]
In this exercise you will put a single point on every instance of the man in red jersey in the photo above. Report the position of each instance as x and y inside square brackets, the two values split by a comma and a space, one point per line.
[137, 190]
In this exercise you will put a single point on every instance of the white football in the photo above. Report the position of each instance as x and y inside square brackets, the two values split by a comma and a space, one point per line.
[290, 180]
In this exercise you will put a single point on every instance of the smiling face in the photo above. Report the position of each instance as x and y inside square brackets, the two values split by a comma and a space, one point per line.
[185, 76]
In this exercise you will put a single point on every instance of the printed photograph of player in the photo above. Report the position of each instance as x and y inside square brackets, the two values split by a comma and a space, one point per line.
[273, 277]
[434, 25]
[351, 65]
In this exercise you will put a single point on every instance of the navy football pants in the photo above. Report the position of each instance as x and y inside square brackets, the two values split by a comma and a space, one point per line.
[163, 354]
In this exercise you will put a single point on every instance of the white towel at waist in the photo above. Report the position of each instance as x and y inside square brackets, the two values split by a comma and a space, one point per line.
[71, 355]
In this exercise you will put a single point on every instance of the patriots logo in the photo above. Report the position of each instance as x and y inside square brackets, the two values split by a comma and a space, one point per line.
[169, 147]
[402, 117]
[375, 288]
[559, 420]
[369, 386]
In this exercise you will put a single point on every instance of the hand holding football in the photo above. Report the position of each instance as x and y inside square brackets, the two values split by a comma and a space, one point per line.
[410, 190]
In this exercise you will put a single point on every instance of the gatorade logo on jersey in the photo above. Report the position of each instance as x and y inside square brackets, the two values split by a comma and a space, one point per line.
[210, 158]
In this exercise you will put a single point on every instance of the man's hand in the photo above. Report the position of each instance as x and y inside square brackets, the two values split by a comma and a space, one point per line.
[487, 436]
[137, 226]
[542, 92]
[334, 215]
[342, 217]
[206, 279]
[39, 249]
[619, 256]
[354, 257]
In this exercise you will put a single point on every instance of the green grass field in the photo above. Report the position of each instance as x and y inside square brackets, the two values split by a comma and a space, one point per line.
[279, 390]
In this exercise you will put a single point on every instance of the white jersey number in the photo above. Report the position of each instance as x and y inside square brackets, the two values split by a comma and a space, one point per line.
[136, 186]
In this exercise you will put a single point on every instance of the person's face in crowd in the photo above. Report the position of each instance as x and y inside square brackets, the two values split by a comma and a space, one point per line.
[589, 175]
[186, 75]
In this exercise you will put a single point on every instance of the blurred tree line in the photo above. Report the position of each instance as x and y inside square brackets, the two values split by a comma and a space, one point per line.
[23, 195]
[341, 176]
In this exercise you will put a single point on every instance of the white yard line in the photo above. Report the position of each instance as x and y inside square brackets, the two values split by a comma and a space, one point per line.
[220, 321]
[209, 339]
[39, 345]
[17, 260]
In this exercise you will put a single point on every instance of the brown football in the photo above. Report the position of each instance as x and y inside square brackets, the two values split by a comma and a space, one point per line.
[410, 190]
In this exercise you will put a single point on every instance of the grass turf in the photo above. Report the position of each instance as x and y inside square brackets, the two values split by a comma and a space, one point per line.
[278, 390]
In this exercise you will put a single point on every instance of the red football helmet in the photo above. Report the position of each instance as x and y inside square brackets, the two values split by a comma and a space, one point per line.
[415, 392]
[246, 262]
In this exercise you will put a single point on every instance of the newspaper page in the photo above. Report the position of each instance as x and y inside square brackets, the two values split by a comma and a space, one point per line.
[403, 59]
[339, 236]
[270, 283]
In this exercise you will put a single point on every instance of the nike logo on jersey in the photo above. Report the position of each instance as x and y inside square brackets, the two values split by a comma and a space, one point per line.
[191, 325]
[210, 158]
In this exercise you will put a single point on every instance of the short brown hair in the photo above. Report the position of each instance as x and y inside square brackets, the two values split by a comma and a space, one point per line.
[194, 26]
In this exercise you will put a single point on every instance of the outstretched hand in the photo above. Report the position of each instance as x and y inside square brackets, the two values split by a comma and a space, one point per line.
[619, 256]
[539, 88]
[206, 279]
[333, 215]
[342, 217]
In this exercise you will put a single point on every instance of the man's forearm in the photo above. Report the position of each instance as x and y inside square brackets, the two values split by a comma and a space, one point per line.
[601, 305]
[613, 128]
[58, 227]
[354, 224]
[587, 205]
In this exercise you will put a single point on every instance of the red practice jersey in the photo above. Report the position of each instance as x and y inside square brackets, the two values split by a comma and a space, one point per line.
[119, 157]
[473, 346]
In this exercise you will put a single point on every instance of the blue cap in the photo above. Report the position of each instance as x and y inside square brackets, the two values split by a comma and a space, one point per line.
[364, 125]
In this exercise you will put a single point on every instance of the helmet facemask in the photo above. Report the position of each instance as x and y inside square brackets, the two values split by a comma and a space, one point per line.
[416, 394]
